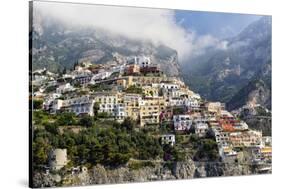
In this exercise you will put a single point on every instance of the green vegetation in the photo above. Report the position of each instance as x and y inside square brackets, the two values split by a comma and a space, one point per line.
[86, 120]
[134, 89]
[37, 104]
[108, 143]
[100, 87]
[66, 119]
[207, 150]
[174, 153]
[135, 165]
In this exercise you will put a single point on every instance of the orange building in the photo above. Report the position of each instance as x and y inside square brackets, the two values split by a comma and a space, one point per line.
[132, 69]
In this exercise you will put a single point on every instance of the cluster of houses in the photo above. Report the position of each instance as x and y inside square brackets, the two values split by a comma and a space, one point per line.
[159, 100]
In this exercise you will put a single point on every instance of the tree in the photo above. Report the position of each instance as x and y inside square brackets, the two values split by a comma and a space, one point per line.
[66, 119]
[37, 104]
[75, 64]
[86, 120]
[83, 152]
[64, 71]
[103, 115]
[40, 151]
[52, 128]
[96, 154]
[96, 108]
[128, 123]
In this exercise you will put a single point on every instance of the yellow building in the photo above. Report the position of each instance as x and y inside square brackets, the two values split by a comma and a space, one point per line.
[146, 80]
[150, 91]
[122, 83]
[125, 82]
[266, 152]
[150, 109]
[132, 105]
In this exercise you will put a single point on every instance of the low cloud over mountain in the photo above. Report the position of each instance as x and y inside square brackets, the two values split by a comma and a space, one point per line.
[156, 25]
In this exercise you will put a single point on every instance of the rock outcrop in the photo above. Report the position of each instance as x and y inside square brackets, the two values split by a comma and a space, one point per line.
[100, 174]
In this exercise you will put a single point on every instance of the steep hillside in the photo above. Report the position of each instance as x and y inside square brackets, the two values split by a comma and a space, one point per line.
[56, 47]
[220, 74]
[257, 91]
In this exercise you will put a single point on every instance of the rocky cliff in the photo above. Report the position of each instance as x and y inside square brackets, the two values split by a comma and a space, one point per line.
[159, 171]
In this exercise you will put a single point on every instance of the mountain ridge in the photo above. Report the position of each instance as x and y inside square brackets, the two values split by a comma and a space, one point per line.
[219, 74]
[56, 47]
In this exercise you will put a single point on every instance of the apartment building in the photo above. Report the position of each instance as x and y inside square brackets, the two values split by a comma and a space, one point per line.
[168, 139]
[246, 138]
[182, 122]
[80, 105]
[132, 105]
[150, 109]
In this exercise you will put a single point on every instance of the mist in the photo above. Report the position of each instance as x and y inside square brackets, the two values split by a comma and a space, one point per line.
[156, 25]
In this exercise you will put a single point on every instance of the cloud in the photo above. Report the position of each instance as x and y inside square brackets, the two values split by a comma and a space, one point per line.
[156, 25]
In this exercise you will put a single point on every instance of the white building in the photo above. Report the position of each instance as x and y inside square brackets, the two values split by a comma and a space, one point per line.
[80, 105]
[168, 139]
[267, 141]
[52, 105]
[119, 111]
[56, 105]
[176, 102]
[142, 61]
[182, 122]
[169, 86]
[240, 126]
[192, 103]
[58, 159]
[195, 96]
[201, 129]
[64, 88]
[100, 76]
[39, 79]
[171, 93]
[118, 68]
[112, 104]
[222, 138]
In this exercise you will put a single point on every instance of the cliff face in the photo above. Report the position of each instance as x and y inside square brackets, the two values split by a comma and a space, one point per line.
[220, 169]
[159, 171]
[178, 170]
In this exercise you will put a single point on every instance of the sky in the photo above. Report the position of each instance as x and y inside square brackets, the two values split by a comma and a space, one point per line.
[188, 32]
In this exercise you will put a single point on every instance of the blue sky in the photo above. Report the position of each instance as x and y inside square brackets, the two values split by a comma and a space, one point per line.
[220, 25]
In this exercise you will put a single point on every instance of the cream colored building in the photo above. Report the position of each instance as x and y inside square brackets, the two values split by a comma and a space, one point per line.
[150, 109]
[215, 107]
[146, 80]
[132, 105]
[246, 138]
[109, 102]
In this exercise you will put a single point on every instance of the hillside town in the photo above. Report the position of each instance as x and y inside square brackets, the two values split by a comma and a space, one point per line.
[136, 88]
